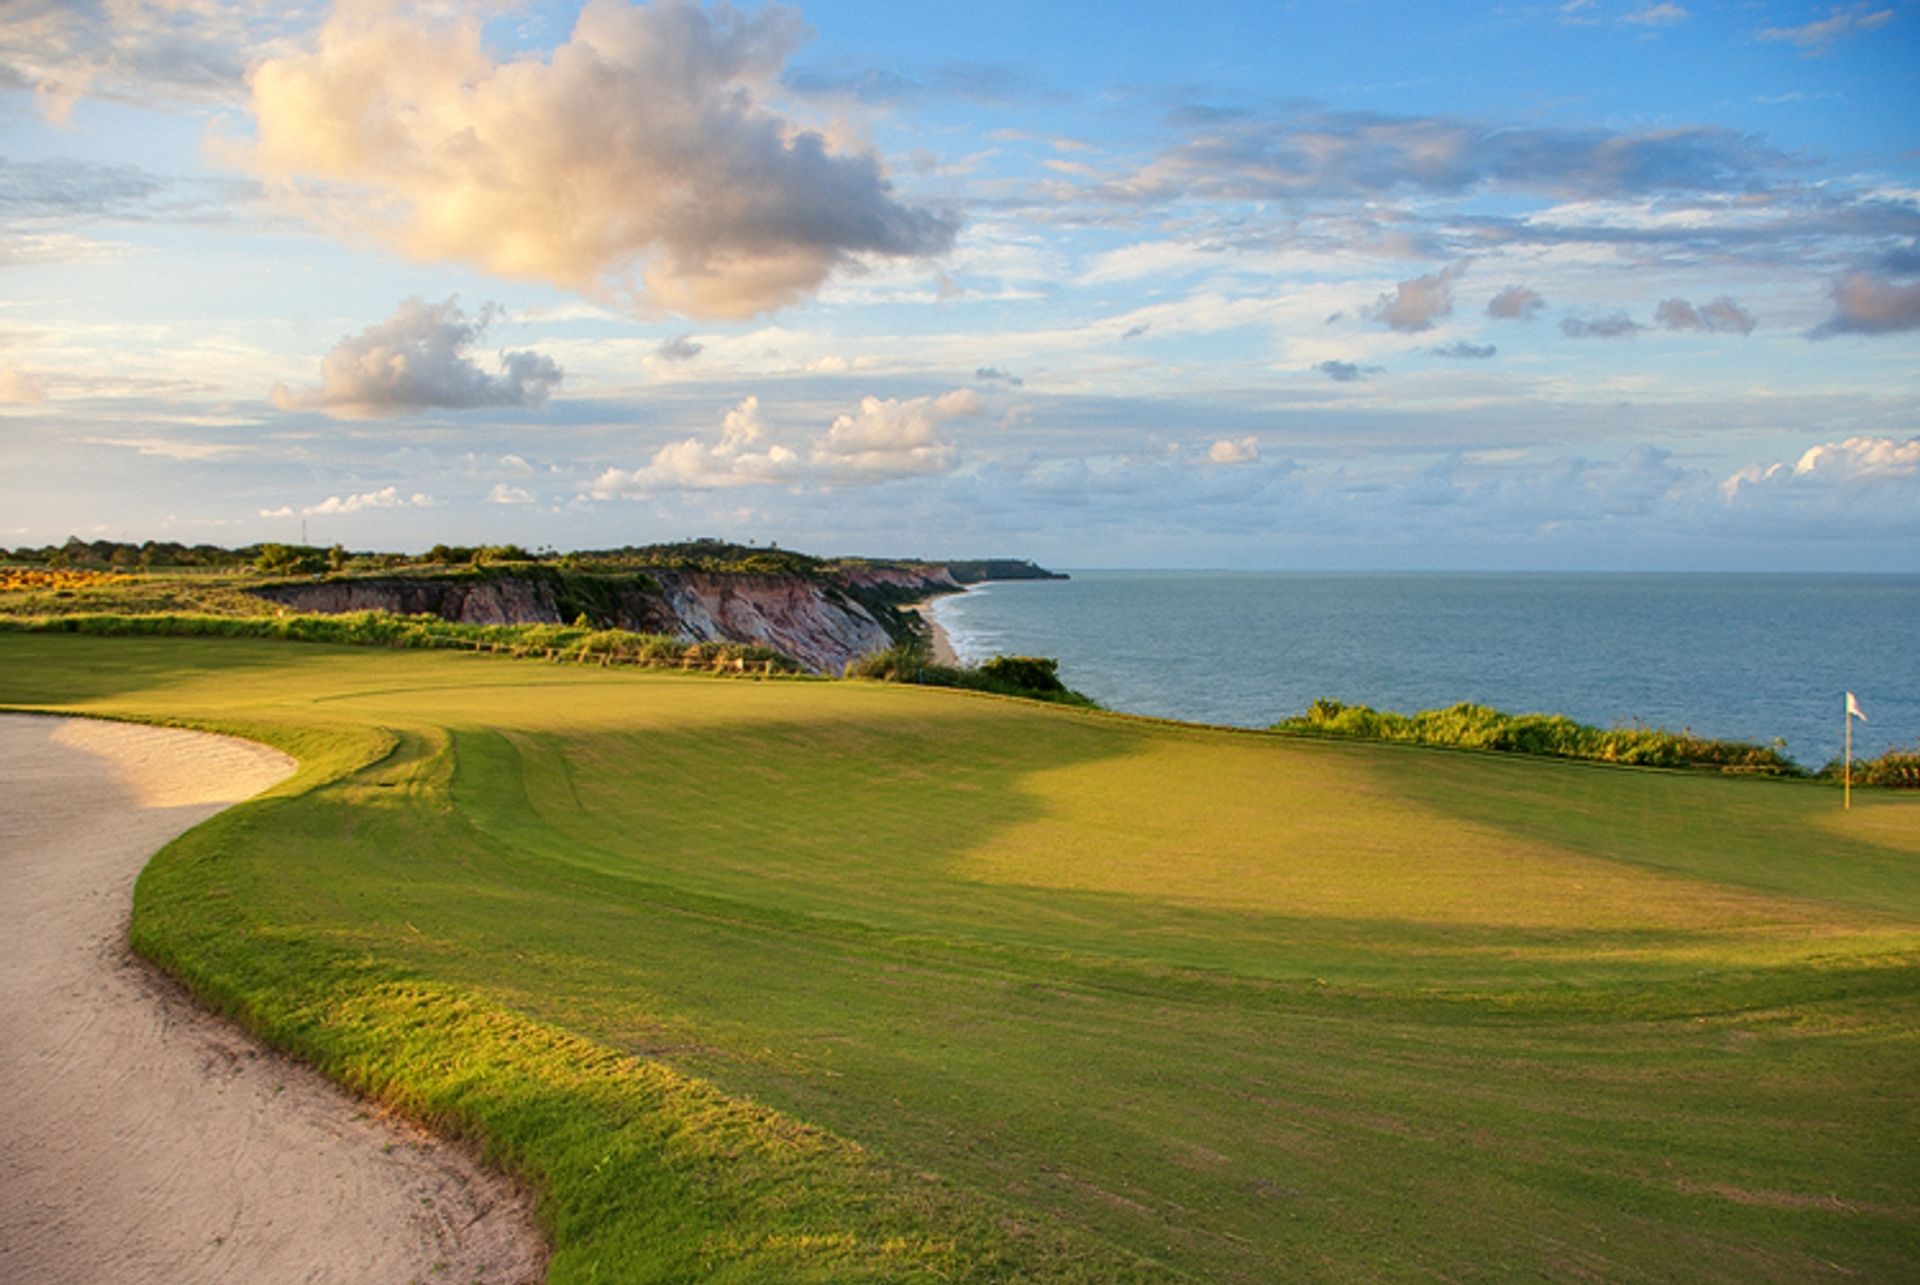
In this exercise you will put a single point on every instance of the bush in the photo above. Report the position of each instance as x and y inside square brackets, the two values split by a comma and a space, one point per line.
[1473, 726]
[1897, 769]
[1031, 677]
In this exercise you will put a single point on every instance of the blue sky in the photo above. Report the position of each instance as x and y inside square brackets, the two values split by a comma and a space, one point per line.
[1559, 285]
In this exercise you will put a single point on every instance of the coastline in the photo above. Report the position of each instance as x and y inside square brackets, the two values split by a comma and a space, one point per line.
[941, 641]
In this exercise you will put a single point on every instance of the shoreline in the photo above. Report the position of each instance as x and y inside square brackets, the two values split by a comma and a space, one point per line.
[941, 641]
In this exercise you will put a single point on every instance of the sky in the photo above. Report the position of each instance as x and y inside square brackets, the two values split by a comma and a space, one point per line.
[1601, 284]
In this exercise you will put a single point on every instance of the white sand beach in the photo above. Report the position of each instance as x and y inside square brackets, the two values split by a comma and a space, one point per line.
[142, 1139]
[943, 649]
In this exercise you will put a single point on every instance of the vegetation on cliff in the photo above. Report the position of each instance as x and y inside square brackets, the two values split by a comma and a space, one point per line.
[1032, 677]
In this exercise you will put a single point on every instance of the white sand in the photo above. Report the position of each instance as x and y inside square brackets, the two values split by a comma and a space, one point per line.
[942, 641]
[144, 1140]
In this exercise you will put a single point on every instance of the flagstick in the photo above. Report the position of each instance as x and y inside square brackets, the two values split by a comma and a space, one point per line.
[1846, 756]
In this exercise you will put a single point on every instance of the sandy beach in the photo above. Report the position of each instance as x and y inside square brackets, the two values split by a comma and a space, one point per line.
[943, 650]
[142, 1139]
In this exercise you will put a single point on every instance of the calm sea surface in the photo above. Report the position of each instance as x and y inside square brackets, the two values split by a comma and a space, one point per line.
[1744, 657]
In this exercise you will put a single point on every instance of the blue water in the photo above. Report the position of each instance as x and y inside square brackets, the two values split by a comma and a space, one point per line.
[1742, 657]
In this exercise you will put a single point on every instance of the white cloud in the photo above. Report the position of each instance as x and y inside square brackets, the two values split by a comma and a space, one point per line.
[1818, 37]
[1856, 459]
[741, 457]
[639, 148]
[1656, 15]
[415, 360]
[388, 497]
[893, 438]
[885, 438]
[504, 494]
[1244, 450]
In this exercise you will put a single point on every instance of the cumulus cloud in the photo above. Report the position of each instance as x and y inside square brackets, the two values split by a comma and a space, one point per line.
[1243, 450]
[740, 457]
[636, 159]
[890, 437]
[1414, 305]
[19, 389]
[1465, 351]
[1723, 314]
[1818, 38]
[1616, 325]
[885, 438]
[416, 360]
[1345, 372]
[502, 493]
[1864, 304]
[994, 375]
[1849, 463]
[387, 497]
[679, 348]
[1515, 303]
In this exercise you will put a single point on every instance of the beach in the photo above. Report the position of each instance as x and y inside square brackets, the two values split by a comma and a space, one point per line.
[940, 641]
[142, 1138]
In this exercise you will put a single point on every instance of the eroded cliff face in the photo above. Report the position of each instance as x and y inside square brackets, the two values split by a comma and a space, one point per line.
[817, 623]
[810, 621]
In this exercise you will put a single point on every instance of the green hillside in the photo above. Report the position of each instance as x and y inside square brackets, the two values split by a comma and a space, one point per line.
[795, 980]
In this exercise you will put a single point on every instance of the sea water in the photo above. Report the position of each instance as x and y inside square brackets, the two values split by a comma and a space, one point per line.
[1739, 657]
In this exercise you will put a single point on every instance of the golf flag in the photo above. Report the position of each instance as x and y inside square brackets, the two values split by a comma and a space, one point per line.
[1854, 710]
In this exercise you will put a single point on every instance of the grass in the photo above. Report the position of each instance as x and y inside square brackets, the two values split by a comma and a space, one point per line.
[790, 981]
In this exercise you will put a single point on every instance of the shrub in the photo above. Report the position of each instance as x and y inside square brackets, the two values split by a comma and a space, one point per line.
[1473, 726]
[1031, 677]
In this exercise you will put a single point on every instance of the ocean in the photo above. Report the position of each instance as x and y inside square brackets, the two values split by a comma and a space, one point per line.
[1742, 657]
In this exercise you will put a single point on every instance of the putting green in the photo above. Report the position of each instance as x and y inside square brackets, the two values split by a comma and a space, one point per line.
[804, 980]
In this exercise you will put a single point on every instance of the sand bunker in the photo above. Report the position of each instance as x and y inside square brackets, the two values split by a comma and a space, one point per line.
[142, 1139]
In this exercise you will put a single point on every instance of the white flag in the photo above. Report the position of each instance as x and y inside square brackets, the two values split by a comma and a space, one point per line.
[1854, 710]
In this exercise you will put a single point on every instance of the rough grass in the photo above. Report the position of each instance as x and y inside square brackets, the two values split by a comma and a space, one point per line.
[779, 981]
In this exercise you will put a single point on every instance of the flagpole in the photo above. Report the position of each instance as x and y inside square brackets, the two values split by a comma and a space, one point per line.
[1846, 756]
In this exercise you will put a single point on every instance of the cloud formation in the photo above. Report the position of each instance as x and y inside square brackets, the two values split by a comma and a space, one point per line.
[1849, 463]
[1818, 38]
[1723, 315]
[885, 438]
[1465, 351]
[890, 437]
[416, 360]
[387, 497]
[1516, 303]
[994, 375]
[635, 160]
[1656, 15]
[1616, 325]
[1345, 372]
[1241, 450]
[1864, 304]
[679, 348]
[1235, 155]
[1415, 305]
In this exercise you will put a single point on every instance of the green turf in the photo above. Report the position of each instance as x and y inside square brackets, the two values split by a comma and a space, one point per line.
[797, 980]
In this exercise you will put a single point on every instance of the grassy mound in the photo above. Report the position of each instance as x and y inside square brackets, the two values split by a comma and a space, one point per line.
[811, 981]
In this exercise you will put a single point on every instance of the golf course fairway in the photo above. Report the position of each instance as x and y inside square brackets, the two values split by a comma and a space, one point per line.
[798, 980]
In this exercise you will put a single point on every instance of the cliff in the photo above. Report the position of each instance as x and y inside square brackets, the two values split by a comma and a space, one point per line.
[820, 623]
